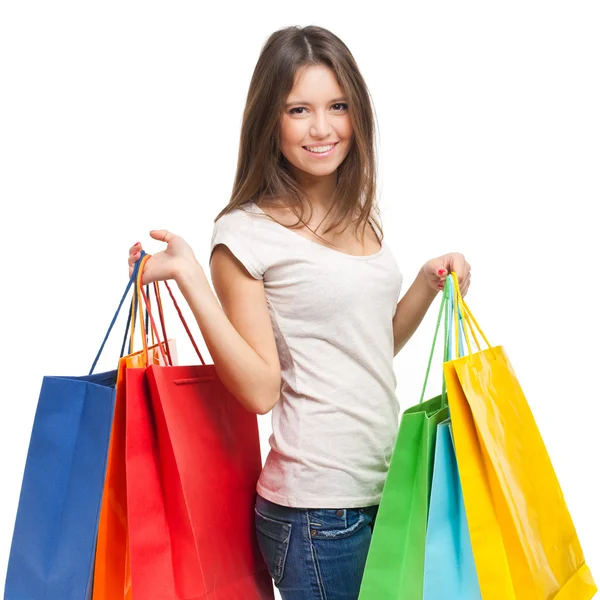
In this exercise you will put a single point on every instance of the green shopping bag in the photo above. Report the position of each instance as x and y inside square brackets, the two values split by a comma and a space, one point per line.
[395, 563]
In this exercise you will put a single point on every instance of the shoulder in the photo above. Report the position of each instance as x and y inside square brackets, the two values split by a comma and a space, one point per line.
[237, 215]
[243, 219]
[236, 230]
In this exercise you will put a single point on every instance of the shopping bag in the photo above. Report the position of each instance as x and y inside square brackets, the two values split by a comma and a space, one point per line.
[53, 545]
[112, 573]
[193, 460]
[449, 565]
[394, 567]
[524, 541]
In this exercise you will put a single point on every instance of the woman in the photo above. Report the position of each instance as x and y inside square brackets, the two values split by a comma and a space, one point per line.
[307, 320]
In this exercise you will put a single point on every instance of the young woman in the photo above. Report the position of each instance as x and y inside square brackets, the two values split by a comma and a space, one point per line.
[307, 320]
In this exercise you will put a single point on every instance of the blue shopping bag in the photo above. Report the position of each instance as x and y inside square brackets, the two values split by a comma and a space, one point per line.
[449, 564]
[54, 538]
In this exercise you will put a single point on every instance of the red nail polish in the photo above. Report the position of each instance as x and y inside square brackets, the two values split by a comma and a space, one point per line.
[441, 272]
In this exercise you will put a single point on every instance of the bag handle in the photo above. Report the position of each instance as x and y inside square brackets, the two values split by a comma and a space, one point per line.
[133, 314]
[456, 322]
[140, 291]
[162, 321]
[131, 320]
[469, 318]
[443, 307]
[132, 280]
[450, 309]
[133, 308]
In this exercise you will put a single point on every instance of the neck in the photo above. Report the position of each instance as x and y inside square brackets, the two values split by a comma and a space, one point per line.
[319, 189]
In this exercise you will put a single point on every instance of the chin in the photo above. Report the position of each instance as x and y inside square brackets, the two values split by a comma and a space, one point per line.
[322, 172]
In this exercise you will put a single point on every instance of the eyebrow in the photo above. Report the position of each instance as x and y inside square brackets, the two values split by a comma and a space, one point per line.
[309, 104]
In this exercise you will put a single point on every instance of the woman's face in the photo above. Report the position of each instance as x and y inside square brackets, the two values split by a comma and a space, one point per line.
[315, 115]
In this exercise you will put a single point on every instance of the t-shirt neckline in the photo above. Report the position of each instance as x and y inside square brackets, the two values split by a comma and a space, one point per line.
[257, 208]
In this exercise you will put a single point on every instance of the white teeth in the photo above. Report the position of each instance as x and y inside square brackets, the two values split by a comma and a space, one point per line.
[320, 149]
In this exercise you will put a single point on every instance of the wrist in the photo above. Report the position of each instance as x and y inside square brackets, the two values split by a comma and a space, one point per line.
[190, 275]
[425, 284]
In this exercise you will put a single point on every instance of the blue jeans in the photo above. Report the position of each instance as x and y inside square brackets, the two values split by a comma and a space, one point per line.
[314, 554]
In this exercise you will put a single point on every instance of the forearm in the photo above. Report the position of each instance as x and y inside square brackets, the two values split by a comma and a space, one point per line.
[243, 372]
[411, 310]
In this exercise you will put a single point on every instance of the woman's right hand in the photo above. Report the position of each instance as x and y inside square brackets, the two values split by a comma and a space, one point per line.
[166, 264]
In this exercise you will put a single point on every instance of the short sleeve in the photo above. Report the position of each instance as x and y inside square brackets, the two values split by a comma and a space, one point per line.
[233, 230]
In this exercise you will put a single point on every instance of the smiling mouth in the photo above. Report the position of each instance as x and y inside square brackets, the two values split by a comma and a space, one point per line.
[321, 153]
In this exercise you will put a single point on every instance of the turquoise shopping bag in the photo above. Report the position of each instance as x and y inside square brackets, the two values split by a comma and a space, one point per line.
[395, 563]
[449, 564]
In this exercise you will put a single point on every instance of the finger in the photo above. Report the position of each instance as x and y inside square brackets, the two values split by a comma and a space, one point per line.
[131, 263]
[134, 257]
[136, 246]
[459, 266]
[162, 234]
[463, 273]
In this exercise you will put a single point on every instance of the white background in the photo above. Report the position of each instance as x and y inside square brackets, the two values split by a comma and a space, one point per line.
[121, 117]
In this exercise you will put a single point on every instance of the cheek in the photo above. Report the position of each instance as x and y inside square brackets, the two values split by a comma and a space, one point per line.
[346, 129]
[291, 134]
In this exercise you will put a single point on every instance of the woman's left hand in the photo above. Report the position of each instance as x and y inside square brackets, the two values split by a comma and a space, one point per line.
[437, 269]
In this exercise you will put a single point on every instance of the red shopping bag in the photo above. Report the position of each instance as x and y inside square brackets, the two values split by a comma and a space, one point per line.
[193, 460]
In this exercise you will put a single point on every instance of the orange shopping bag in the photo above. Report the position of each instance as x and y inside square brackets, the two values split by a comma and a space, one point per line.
[112, 572]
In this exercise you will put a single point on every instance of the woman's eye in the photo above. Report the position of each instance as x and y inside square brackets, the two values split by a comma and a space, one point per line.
[343, 104]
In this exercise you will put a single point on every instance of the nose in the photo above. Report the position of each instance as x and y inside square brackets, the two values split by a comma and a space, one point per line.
[320, 125]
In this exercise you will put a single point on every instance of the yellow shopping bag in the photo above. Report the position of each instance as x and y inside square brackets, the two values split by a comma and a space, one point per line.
[524, 541]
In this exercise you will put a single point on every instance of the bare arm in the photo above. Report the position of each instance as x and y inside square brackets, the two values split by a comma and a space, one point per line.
[238, 331]
[411, 309]
[416, 302]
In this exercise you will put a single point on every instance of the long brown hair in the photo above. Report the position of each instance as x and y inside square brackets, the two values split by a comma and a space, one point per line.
[262, 172]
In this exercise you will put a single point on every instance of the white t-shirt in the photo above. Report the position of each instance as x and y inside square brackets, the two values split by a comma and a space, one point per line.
[336, 421]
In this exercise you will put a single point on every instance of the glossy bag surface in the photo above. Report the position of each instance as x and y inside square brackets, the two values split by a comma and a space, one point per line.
[395, 562]
[54, 540]
[112, 572]
[524, 541]
[449, 564]
[193, 460]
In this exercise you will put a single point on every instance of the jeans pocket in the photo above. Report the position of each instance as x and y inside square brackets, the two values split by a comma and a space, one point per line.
[331, 524]
[273, 540]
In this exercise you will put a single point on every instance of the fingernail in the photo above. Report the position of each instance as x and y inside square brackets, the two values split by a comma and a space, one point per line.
[441, 271]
